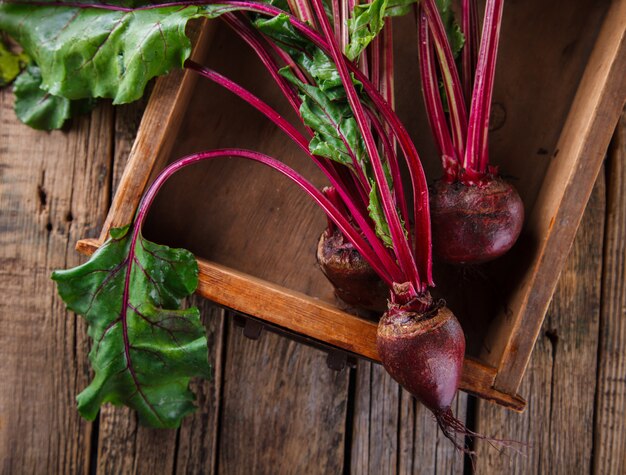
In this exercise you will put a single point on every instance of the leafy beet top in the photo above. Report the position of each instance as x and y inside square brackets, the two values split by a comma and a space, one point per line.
[109, 52]
[145, 348]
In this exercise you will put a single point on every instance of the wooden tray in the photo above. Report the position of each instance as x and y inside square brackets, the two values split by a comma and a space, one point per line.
[560, 88]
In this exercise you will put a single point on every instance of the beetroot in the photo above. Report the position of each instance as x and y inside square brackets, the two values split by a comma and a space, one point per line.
[423, 351]
[472, 224]
[355, 282]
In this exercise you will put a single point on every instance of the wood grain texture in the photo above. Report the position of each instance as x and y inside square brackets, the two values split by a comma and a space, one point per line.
[283, 410]
[610, 418]
[52, 191]
[196, 450]
[561, 382]
[394, 434]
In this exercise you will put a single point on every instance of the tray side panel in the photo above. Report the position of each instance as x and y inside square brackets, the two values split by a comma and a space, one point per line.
[563, 197]
[316, 319]
[157, 132]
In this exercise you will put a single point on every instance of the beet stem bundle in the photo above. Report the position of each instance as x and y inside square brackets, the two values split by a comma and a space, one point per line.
[476, 216]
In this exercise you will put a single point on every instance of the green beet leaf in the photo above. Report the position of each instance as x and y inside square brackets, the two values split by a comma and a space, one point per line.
[10, 64]
[145, 347]
[368, 20]
[332, 122]
[312, 59]
[40, 109]
[377, 214]
[453, 30]
[92, 52]
[325, 108]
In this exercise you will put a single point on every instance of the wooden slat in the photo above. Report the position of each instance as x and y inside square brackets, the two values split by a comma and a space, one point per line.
[610, 420]
[196, 451]
[52, 190]
[394, 434]
[559, 206]
[124, 446]
[561, 381]
[283, 410]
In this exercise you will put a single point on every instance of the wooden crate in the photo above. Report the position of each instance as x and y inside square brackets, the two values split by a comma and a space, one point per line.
[560, 88]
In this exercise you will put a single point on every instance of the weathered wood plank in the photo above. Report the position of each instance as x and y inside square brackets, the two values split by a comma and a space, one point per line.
[392, 433]
[610, 421]
[124, 446]
[52, 192]
[562, 380]
[283, 410]
[127, 118]
[198, 435]
[376, 421]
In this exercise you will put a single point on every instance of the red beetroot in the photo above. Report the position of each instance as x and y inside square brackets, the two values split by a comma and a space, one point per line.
[423, 351]
[355, 282]
[472, 224]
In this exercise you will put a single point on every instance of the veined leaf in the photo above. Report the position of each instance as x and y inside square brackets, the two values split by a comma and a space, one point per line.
[336, 130]
[376, 213]
[40, 109]
[365, 23]
[88, 52]
[312, 59]
[145, 348]
[325, 107]
[368, 20]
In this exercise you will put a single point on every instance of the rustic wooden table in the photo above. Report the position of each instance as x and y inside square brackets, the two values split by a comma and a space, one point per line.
[273, 405]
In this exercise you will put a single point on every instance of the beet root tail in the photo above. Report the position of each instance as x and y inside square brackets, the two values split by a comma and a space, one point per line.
[454, 430]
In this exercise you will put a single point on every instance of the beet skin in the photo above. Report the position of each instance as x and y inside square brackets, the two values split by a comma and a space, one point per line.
[472, 224]
[424, 353]
[354, 280]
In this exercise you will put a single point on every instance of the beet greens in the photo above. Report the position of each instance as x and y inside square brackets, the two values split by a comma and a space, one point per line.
[357, 141]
